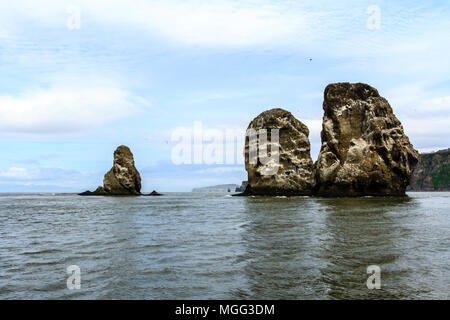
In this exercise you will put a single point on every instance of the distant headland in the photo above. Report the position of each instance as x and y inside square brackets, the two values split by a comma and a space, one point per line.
[432, 173]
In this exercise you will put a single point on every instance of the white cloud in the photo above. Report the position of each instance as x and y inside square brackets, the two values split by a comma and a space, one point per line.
[434, 127]
[425, 116]
[220, 170]
[17, 173]
[416, 100]
[225, 23]
[206, 23]
[49, 176]
[314, 126]
[64, 109]
[440, 104]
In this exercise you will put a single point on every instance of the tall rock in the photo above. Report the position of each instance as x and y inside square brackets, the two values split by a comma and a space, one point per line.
[364, 148]
[292, 172]
[123, 179]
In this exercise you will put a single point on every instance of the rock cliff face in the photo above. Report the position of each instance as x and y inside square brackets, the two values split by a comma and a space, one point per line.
[432, 173]
[242, 187]
[123, 179]
[364, 148]
[292, 174]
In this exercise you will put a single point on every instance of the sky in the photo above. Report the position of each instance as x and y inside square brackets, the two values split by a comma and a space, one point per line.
[79, 78]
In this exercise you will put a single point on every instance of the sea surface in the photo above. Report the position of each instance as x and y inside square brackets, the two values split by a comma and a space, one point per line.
[214, 246]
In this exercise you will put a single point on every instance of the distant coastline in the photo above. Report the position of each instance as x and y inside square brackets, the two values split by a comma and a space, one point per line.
[432, 172]
[228, 188]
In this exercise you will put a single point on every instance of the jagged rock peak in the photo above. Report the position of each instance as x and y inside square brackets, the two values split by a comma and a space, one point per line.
[123, 178]
[364, 148]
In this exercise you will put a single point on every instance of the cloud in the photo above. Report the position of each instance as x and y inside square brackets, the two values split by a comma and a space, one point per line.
[57, 178]
[220, 170]
[310, 27]
[17, 173]
[314, 126]
[206, 23]
[64, 109]
[224, 23]
[436, 127]
[38, 174]
[440, 104]
[424, 113]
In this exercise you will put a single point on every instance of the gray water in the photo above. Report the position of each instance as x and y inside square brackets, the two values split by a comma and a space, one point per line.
[213, 246]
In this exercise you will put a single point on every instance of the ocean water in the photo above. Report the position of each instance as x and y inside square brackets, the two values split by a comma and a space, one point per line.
[213, 246]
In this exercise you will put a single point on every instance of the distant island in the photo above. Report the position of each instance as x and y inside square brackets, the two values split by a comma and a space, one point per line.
[219, 188]
[432, 172]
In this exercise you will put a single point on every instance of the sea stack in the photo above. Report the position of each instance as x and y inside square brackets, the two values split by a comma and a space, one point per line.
[365, 151]
[123, 179]
[292, 173]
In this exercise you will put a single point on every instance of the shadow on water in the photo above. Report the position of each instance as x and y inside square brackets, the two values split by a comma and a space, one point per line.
[361, 232]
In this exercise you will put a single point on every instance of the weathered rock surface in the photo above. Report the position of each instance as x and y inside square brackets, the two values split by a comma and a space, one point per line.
[364, 148]
[293, 174]
[432, 173]
[123, 179]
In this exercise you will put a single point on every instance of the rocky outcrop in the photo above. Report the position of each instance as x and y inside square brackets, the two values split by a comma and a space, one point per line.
[98, 192]
[123, 179]
[364, 148]
[243, 186]
[291, 173]
[432, 173]
[154, 194]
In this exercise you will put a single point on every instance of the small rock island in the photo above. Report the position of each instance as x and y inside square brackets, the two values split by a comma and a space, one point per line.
[123, 179]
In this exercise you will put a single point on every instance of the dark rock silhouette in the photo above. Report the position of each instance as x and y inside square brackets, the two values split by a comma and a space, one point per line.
[154, 193]
[242, 187]
[98, 192]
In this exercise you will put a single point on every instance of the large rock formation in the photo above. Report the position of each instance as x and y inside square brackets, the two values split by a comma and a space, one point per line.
[123, 179]
[432, 173]
[292, 172]
[364, 148]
